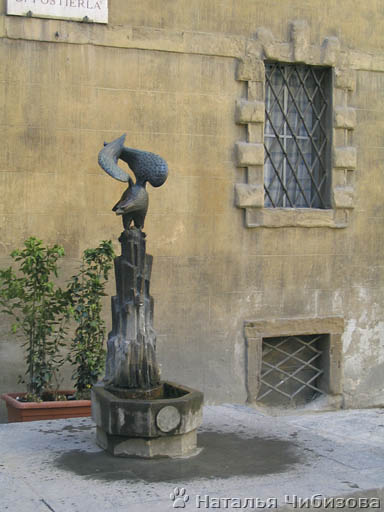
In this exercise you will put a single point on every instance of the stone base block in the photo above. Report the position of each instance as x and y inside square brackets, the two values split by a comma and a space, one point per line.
[162, 426]
[178, 411]
[182, 445]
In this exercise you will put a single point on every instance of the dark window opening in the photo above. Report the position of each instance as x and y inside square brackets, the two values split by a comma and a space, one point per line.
[292, 371]
[297, 136]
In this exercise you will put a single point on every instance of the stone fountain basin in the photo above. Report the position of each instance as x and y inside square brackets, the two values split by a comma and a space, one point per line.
[163, 426]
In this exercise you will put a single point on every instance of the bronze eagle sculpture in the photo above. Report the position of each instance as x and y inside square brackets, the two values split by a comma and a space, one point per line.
[146, 166]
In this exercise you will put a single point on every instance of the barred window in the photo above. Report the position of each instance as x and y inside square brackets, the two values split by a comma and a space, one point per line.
[292, 367]
[297, 138]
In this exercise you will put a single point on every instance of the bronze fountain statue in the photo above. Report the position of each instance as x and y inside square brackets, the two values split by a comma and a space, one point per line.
[131, 359]
[135, 412]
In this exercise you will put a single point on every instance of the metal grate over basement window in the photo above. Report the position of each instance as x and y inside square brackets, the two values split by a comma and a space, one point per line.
[291, 370]
[297, 137]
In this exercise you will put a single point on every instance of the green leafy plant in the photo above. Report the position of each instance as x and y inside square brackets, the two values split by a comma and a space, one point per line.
[40, 311]
[86, 290]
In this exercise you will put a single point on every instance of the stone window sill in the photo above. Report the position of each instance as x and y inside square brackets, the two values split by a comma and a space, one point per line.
[296, 217]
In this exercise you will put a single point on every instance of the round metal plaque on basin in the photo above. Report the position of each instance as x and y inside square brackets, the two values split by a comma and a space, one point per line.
[168, 418]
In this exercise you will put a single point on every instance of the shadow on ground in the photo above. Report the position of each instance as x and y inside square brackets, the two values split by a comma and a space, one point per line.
[224, 455]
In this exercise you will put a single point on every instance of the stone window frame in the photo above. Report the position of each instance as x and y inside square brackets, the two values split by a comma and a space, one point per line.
[250, 113]
[256, 330]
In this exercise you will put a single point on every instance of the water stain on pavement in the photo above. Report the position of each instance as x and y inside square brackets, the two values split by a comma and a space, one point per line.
[224, 455]
[68, 428]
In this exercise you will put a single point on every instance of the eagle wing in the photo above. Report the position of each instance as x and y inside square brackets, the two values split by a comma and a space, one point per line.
[109, 156]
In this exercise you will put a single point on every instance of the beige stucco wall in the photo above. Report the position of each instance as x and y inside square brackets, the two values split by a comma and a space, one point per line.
[164, 71]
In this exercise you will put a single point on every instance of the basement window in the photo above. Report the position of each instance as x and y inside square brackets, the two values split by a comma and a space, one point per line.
[292, 368]
[297, 136]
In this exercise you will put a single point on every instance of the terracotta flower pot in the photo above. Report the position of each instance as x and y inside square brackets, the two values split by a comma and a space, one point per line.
[35, 411]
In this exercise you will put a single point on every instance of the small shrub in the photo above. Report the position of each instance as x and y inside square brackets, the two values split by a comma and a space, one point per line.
[86, 290]
[40, 310]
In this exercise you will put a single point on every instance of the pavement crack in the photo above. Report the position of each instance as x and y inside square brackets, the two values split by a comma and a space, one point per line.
[47, 505]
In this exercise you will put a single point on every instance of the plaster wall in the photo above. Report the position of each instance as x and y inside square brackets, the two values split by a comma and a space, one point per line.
[165, 73]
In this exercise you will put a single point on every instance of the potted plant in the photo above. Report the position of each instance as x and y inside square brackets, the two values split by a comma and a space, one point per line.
[41, 312]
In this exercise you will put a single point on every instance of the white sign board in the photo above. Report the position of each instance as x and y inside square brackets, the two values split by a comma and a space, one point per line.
[79, 10]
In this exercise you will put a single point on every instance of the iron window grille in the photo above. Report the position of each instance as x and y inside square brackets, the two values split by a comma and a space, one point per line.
[291, 370]
[297, 137]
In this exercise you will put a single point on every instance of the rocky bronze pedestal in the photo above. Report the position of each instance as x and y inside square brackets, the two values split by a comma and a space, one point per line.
[136, 414]
[131, 347]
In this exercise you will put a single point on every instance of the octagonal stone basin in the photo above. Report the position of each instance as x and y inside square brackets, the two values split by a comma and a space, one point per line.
[162, 426]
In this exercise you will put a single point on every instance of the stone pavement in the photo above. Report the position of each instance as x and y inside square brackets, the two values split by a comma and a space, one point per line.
[248, 459]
